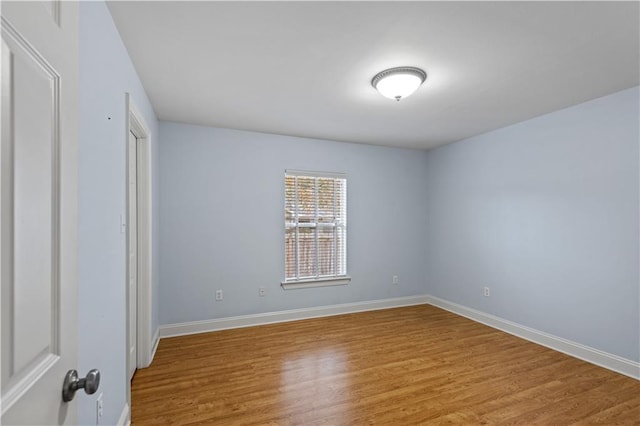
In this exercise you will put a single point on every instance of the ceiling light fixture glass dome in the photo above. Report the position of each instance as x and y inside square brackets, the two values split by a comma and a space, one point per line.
[398, 83]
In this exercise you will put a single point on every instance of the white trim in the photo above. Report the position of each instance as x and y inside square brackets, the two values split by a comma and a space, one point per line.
[145, 250]
[309, 173]
[600, 358]
[138, 126]
[594, 356]
[125, 416]
[315, 282]
[156, 341]
[285, 316]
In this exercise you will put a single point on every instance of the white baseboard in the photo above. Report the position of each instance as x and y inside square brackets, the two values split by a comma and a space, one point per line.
[284, 316]
[154, 342]
[125, 416]
[603, 359]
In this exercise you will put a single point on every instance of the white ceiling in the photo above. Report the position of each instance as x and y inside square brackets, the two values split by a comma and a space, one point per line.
[304, 68]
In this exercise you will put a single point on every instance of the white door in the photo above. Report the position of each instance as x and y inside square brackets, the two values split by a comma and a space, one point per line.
[133, 251]
[38, 190]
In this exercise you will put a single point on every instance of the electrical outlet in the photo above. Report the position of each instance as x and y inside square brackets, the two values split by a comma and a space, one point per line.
[99, 408]
[219, 295]
[262, 291]
[395, 279]
[487, 292]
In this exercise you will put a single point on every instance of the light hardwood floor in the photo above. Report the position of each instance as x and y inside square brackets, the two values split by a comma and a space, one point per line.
[404, 366]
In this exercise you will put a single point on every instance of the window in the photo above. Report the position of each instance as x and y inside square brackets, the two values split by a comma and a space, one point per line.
[315, 219]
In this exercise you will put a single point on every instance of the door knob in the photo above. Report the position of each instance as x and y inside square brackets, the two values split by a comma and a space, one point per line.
[72, 383]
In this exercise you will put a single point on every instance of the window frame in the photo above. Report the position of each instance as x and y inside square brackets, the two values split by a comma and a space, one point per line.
[318, 280]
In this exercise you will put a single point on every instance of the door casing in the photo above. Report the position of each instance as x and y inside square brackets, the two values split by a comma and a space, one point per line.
[137, 125]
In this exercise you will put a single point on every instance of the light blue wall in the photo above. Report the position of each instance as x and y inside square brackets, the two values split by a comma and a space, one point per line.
[106, 73]
[223, 222]
[545, 213]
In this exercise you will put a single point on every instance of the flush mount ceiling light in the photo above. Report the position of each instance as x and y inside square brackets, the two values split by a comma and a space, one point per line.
[398, 83]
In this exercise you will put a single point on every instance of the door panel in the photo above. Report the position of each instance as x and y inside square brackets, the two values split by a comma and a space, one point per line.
[34, 284]
[38, 209]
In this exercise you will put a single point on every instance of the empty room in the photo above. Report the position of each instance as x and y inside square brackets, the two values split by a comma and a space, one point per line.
[320, 213]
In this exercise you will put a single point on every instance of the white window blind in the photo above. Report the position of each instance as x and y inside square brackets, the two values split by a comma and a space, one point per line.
[315, 225]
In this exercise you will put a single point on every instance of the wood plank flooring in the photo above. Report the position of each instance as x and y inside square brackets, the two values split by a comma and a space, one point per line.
[404, 366]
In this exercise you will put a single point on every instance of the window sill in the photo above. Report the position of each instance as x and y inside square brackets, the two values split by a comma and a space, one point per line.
[319, 282]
